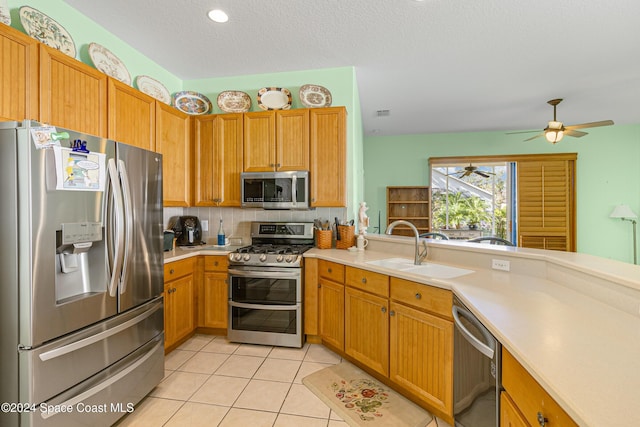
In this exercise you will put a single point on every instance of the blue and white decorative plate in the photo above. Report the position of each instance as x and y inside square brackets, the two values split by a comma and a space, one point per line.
[46, 30]
[193, 103]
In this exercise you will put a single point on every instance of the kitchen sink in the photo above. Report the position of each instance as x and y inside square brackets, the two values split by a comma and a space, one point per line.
[428, 269]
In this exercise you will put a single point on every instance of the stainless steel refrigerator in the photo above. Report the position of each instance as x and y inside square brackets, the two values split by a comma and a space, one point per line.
[81, 306]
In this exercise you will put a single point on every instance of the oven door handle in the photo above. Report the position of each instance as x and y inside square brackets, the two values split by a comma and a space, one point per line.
[266, 274]
[263, 306]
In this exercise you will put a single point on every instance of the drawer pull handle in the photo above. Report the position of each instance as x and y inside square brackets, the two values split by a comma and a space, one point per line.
[171, 271]
[329, 270]
[542, 420]
[384, 309]
[215, 263]
[418, 295]
[364, 280]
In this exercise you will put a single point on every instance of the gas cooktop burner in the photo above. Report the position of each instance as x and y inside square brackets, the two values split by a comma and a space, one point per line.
[275, 244]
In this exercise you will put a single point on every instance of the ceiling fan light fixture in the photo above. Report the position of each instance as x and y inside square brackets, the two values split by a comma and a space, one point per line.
[554, 135]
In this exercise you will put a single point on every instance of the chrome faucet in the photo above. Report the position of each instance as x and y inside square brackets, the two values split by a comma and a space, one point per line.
[419, 255]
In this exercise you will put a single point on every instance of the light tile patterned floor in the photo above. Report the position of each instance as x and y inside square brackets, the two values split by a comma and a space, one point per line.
[212, 382]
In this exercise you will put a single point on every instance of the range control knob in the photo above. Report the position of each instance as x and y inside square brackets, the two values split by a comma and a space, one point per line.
[237, 257]
[263, 257]
[230, 256]
[290, 258]
[279, 258]
[246, 257]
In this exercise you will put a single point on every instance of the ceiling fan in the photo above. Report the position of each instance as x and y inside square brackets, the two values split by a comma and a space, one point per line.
[468, 170]
[556, 130]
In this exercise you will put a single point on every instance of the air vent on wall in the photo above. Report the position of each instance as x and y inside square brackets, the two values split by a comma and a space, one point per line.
[383, 113]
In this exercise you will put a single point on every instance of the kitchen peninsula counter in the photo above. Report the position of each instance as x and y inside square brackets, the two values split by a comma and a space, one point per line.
[570, 319]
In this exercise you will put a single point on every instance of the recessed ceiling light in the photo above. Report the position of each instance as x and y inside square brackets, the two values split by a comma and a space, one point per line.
[217, 15]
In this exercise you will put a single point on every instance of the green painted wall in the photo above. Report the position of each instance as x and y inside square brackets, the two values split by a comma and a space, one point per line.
[607, 174]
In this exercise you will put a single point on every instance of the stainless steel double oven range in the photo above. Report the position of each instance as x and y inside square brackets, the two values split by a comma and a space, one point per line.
[266, 285]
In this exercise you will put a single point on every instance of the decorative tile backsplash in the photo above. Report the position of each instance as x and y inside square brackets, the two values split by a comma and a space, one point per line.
[237, 221]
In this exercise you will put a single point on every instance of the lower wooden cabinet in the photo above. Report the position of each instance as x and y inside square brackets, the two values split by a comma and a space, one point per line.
[529, 403]
[179, 312]
[331, 313]
[399, 329]
[421, 359]
[509, 414]
[367, 329]
[215, 293]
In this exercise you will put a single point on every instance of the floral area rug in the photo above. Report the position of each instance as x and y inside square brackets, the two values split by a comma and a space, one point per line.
[363, 401]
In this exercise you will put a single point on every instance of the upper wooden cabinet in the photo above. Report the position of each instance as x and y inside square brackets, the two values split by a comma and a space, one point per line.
[73, 95]
[132, 115]
[276, 140]
[217, 160]
[18, 75]
[328, 152]
[173, 141]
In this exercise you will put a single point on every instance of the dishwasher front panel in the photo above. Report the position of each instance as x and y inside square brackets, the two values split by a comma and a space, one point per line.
[476, 371]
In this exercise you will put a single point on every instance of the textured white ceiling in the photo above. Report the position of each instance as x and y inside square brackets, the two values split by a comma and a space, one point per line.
[438, 65]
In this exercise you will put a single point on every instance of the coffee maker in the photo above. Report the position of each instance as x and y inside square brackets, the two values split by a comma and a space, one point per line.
[187, 230]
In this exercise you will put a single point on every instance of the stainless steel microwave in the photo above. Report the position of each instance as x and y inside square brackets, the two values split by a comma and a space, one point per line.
[275, 190]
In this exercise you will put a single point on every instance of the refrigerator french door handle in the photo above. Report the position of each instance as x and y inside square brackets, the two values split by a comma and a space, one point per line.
[128, 215]
[479, 345]
[118, 224]
[61, 351]
[98, 388]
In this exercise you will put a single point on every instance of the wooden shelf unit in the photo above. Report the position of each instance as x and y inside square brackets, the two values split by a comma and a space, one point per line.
[410, 203]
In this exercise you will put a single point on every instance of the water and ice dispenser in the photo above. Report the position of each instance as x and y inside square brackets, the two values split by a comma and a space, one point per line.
[79, 246]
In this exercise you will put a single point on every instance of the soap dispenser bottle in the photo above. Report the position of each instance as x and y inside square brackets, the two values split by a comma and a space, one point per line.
[221, 237]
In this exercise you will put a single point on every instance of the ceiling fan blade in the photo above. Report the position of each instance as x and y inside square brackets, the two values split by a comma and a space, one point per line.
[590, 125]
[466, 173]
[482, 174]
[522, 131]
[575, 133]
[535, 137]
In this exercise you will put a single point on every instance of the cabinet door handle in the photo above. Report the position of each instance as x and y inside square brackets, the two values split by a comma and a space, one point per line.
[542, 420]
[384, 309]
[319, 285]
[174, 289]
[364, 280]
[392, 313]
[418, 295]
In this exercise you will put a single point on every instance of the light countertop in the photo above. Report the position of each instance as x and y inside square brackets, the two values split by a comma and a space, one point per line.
[584, 352]
[551, 312]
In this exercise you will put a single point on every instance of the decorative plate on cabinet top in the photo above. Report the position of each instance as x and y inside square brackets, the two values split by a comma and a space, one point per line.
[46, 30]
[234, 101]
[192, 102]
[274, 98]
[5, 15]
[153, 88]
[315, 96]
[108, 63]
